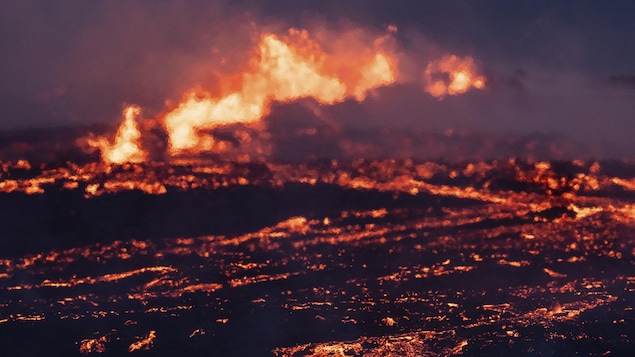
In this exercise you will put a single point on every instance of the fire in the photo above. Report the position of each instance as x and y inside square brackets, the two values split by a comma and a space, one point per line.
[287, 75]
[284, 68]
[374, 74]
[126, 147]
[283, 71]
[145, 343]
[452, 75]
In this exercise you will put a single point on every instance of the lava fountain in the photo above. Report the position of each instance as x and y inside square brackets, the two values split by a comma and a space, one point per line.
[284, 69]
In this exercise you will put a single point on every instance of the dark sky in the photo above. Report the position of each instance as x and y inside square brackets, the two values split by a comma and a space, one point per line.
[552, 66]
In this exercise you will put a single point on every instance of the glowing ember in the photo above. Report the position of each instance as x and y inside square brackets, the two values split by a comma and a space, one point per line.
[93, 345]
[145, 343]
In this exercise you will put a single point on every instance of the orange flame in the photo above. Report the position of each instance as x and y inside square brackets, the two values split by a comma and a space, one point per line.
[126, 148]
[283, 71]
[452, 75]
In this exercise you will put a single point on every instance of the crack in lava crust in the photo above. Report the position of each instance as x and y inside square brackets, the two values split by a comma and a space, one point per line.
[333, 258]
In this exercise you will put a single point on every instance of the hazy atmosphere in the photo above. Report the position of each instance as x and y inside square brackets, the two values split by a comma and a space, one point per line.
[317, 178]
[550, 67]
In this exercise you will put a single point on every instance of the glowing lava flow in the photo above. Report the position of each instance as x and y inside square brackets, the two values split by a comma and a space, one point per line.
[452, 75]
[126, 147]
[437, 259]
[282, 73]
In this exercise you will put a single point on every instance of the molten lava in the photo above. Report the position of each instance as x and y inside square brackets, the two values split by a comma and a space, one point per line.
[126, 147]
[452, 75]
[283, 71]
[440, 259]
